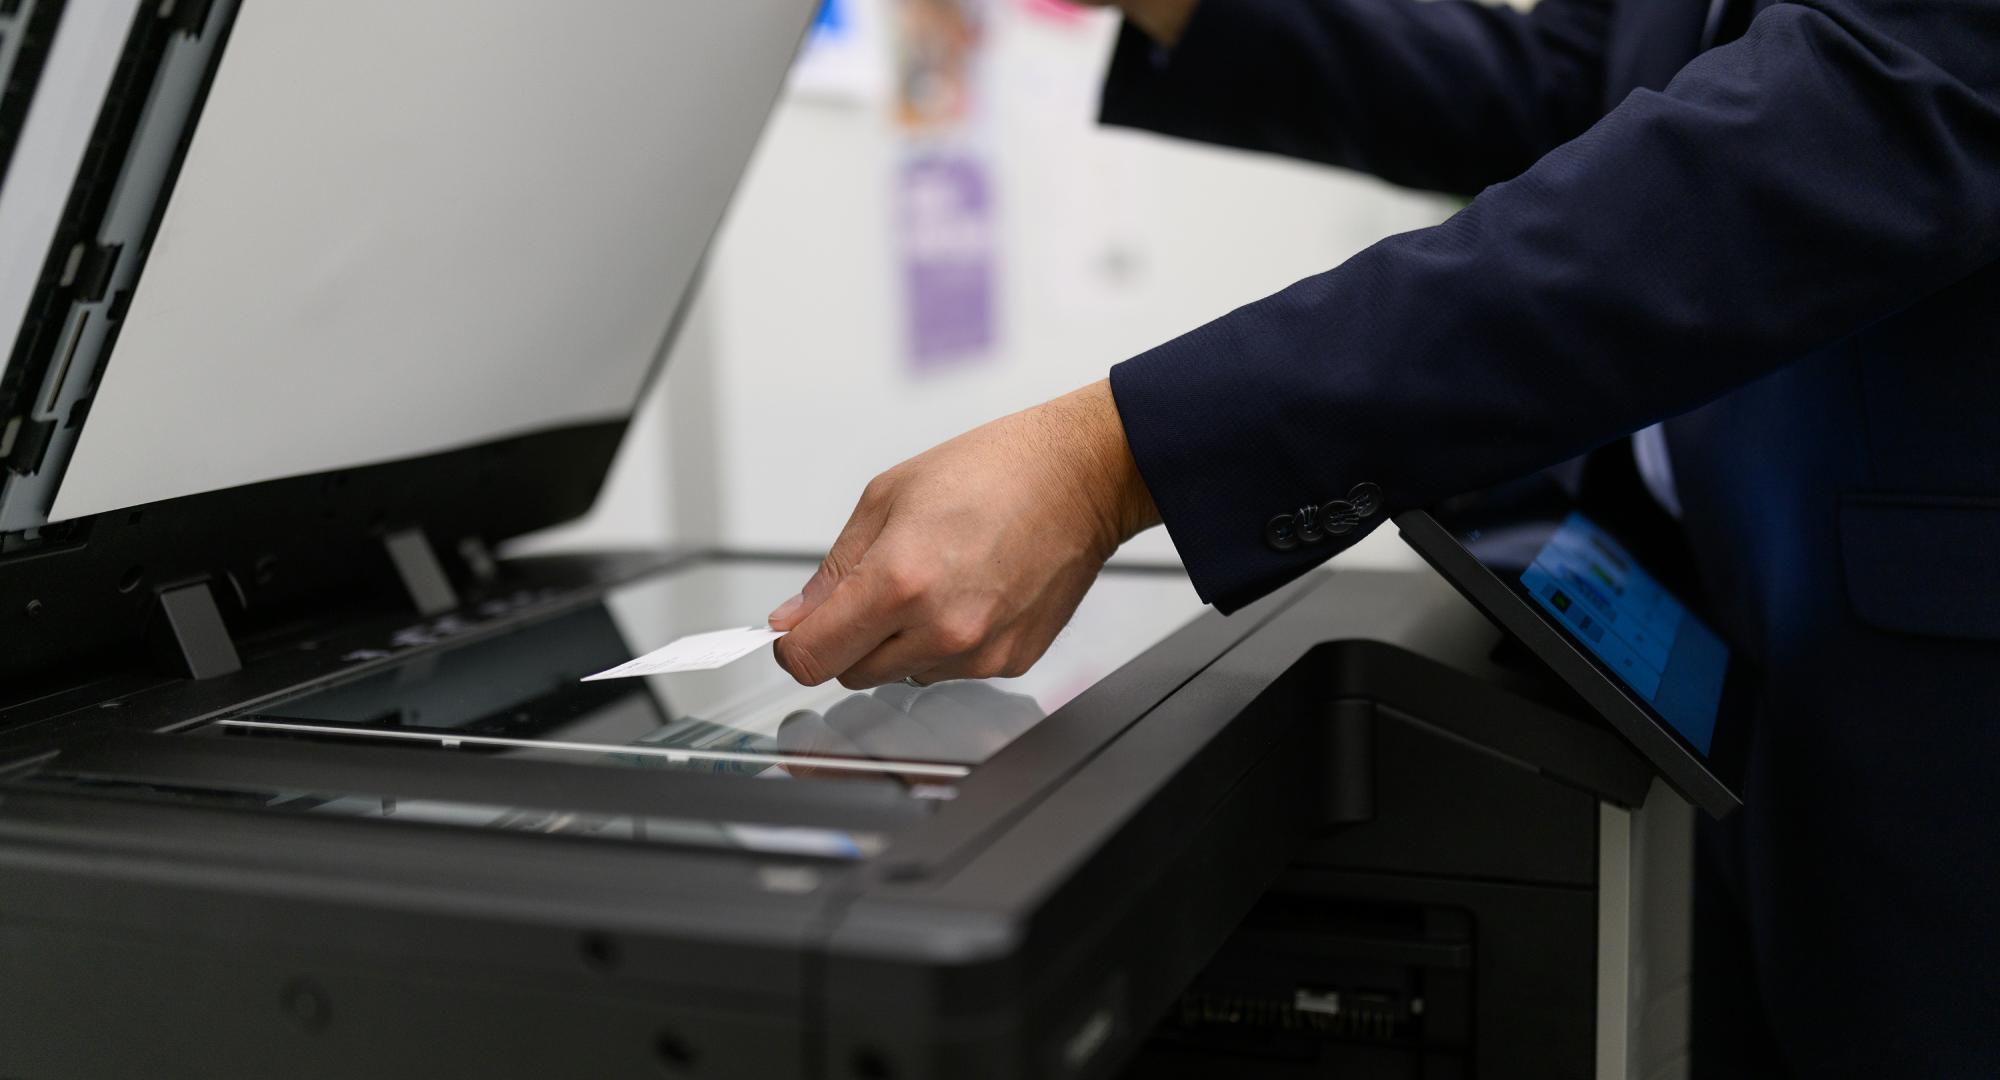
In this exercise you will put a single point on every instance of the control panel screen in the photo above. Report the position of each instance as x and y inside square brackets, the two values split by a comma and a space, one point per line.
[1661, 651]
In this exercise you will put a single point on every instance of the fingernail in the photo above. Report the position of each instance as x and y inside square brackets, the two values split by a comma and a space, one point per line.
[788, 609]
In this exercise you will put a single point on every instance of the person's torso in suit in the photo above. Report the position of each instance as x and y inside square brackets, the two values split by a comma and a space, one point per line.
[1845, 516]
[1844, 513]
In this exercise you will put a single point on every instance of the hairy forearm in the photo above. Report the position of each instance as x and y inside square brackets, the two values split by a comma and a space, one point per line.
[1084, 427]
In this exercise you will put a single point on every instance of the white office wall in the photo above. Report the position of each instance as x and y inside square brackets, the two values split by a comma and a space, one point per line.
[796, 388]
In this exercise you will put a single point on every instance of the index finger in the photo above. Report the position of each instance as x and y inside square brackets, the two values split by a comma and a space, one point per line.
[842, 559]
[855, 618]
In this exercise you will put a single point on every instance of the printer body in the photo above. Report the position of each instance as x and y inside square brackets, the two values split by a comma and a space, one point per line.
[298, 772]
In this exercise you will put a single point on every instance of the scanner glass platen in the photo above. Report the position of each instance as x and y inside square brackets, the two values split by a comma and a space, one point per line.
[519, 694]
[500, 733]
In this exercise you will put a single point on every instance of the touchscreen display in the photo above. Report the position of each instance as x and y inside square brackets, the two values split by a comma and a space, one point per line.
[1660, 650]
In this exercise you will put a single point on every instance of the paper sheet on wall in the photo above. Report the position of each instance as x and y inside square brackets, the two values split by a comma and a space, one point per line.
[945, 198]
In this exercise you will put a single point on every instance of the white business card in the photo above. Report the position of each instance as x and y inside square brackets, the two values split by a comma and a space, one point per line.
[695, 652]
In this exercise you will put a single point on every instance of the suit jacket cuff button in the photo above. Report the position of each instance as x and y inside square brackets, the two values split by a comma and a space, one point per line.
[1281, 533]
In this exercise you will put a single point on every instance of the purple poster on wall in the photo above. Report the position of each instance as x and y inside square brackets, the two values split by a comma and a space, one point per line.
[945, 204]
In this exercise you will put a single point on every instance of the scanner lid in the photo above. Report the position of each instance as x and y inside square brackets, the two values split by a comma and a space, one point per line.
[290, 278]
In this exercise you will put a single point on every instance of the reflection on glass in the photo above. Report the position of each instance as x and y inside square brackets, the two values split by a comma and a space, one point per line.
[637, 753]
[963, 722]
[519, 694]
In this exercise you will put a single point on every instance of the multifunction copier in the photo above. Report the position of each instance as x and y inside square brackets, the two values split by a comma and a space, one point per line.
[314, 304]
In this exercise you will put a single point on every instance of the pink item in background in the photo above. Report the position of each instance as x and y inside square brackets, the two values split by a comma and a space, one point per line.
[1059, 10]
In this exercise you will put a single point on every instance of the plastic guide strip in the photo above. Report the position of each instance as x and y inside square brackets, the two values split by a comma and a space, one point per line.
[671, 753]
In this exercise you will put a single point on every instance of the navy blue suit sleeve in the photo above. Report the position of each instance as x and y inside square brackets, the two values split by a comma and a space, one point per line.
[1836, 164]
[1450, 95]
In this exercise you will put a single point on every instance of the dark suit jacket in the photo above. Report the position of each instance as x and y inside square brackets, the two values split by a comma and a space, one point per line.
[1786, 243]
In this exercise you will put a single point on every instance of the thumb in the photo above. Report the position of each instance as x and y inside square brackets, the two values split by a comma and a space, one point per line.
[863, 526]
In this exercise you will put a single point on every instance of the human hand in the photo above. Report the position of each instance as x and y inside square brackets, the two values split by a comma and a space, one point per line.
[1161, 20]
[964, 561]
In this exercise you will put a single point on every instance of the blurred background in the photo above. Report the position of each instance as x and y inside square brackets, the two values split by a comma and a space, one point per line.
[934, 232]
